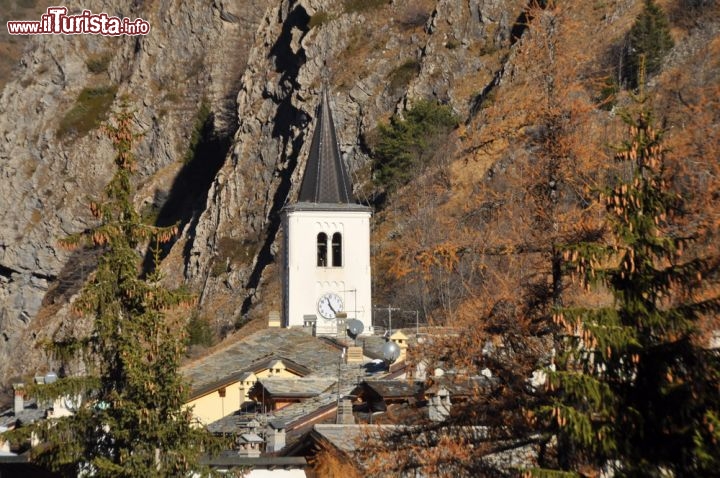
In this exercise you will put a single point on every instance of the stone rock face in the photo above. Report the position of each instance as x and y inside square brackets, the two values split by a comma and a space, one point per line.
[47, 173]
[258, 67]
[276, 106]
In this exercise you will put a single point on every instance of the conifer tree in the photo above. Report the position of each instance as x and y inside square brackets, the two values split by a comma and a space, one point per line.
[649, 41]
[409, 142]
[636, 389]
[130, 421]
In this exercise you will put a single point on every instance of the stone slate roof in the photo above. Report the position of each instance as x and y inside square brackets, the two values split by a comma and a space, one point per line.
[319, 355]
[297, 414]
[251, 438]
[325, 179]
[245, 375]
[31, 413]
[296, 388]
[315, 355]
[246, 372]
[347, 437]
[514, 454]
[393, 388]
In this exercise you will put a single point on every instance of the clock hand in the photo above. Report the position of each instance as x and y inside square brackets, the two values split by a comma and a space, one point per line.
[332, 308]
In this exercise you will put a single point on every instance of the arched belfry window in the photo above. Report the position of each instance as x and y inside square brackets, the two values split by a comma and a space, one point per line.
[337, 250]
[322, 250]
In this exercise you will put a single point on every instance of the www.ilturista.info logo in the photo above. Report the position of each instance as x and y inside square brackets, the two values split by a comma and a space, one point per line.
[57, 22]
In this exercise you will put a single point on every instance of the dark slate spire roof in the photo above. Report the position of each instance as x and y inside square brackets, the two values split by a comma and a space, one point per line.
[325, 180]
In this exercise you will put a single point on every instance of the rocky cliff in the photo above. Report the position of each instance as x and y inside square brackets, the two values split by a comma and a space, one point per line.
[225, 94]
[355, 53]
[181, 82]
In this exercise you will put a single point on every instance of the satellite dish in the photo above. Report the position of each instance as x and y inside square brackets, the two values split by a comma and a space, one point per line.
[390, 352]
[355, 328]
[51, 377]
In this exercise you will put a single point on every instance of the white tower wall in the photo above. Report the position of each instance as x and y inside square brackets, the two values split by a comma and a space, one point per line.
[306, 282]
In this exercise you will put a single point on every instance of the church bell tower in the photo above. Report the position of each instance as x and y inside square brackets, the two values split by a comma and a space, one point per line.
[326, 253]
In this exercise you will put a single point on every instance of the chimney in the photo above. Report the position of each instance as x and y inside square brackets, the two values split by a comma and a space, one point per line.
[274, 319]
[439, 405]
[344, 413]
[354, 355]
[341, 323]
[4, 444]
[310, 324]
[401, 340]
[19, 404]
[275, 437]
[250, 444]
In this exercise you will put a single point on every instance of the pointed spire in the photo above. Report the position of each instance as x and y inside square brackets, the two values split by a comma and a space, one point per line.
[325, 180]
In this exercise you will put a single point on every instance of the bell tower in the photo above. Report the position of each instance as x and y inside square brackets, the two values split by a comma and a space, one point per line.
[326, 253]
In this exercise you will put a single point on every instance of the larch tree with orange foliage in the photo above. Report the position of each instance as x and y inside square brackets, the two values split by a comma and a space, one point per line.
[507, 238]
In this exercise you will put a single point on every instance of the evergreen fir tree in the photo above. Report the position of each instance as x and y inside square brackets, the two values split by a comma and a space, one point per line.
[636, 391]
[409, 142]
[649, 41]
[131, 421]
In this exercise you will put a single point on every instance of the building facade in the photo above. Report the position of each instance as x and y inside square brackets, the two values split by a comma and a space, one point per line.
[326, 254]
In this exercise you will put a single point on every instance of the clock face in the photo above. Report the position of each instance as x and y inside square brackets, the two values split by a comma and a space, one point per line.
[329, 305]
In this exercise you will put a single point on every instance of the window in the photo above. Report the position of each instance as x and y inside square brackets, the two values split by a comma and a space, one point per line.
[322, 250]
[337, 250]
